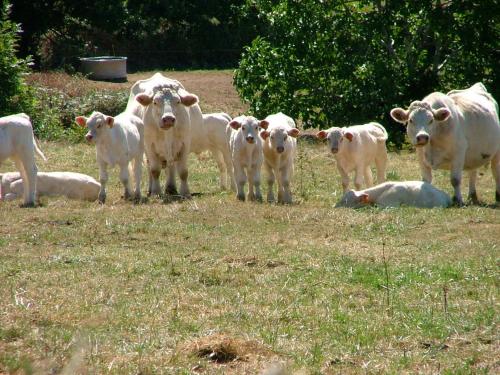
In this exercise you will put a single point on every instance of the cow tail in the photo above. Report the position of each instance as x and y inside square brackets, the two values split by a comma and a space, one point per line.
[37, 149]
[385, 136]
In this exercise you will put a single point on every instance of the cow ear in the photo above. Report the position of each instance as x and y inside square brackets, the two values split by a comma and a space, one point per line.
[349, 136]
[264, 124]
[81, 120]
[110, 121]
[442, 114]
[364, 198]
[399, 115]
[322, 134]
[294, 132]
[235, 124]
[188, 99]
[264, 134]
[144, 99]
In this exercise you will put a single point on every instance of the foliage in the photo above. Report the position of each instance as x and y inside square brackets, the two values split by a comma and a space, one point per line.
[15, 96]
[338, 63]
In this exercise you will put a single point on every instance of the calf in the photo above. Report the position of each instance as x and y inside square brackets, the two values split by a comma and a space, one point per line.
[69, 184]
[246, 154]
[355, 148]
[119, 141]
[457, 131]
[395, 194]
[18, 143]
[211, 135]
[279, 149]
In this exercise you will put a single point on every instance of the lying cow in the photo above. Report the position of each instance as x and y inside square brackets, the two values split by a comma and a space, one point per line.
[279, 148]
[119, 141]
[211, 136]
[18, 143]
[168, 112]
[246, 155]
[68, 184]
[457, 131]
[356, 148]
[395, 194]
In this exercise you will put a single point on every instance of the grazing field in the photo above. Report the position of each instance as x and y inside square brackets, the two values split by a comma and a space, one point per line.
[217, 286]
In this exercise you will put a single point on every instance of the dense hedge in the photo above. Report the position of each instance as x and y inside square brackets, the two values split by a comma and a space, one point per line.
[338, 63]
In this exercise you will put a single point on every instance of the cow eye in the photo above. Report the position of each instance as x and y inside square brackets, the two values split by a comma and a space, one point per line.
[410, 121]
[286, 135]
[243, 127]
[430, 121]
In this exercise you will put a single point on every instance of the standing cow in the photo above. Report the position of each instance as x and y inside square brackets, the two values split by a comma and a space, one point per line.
[168, 112]
[457, 131]
[279, 148]
[18, 143]
[356, 148]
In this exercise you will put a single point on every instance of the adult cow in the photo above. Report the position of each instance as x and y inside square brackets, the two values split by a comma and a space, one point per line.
[168, 112]
[457, 131]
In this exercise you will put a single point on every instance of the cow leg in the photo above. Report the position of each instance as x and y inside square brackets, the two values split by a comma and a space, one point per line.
[241, 179]
[125, 179]
[472, 186]
[171, 187]
[358, 177]
[254, 184]
[226, 154]
[456, 177]
[424, 168]
[344, 176]
[381, 165]
[28, 170]
[368, 176]
[137, 176]
[154, 175]
[270, 182]
[103, 179]
[285, 185]
[495, 169]
[217, 156]
[182, 170]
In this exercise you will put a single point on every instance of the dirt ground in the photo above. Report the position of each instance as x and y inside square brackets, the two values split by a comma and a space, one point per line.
[214, 88]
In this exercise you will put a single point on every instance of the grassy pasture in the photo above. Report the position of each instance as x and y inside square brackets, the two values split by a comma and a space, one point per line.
[217, 286]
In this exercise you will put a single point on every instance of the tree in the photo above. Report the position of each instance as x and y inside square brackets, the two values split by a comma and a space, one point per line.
[14, 95]
[338, 62]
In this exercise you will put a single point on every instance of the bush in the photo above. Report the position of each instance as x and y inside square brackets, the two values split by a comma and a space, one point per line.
[15, 95]
[340, 63]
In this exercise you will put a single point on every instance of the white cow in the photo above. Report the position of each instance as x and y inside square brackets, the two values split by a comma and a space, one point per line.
[280, 147]
[69, 184]
[119, 141]
[356, 148]
[18, 143]
[395, 194]
[168, 112]
[211, 136]
[457, 131]
[246, 155]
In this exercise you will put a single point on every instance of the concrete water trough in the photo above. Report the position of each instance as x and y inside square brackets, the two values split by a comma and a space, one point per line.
[104, 67]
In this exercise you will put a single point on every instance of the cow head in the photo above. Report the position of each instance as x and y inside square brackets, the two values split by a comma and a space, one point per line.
[278, 137]
[420, 120]
[249, 127]
[336, 138]
[96, 124]
[354, 199]
[166, 105]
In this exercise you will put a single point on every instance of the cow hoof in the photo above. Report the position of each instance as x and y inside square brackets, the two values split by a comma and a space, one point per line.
[497, 196]
[28, 205]
[457, 202]
[241, 197]
[171, 190]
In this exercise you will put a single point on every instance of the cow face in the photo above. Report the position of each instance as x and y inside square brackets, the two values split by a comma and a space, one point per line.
[278, 137]
[248, 126]
[96, 124]
[354, 199]
[166, 105]
[336, 138]
[420, 120]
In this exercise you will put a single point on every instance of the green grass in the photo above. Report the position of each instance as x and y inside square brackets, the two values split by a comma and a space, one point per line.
[125, 288]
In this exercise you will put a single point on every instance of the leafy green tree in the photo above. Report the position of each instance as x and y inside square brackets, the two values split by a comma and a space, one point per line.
[338, 62]
[14, 95]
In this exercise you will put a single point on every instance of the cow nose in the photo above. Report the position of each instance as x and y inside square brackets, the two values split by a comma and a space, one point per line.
[167, 121]
[280, 149]
[88, 137]
[334, 150]
[422, 139]
[250, 139]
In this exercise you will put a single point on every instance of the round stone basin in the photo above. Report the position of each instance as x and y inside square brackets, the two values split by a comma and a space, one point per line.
[104, 67]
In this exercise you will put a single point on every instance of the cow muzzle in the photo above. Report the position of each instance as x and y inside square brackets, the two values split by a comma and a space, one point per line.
[250, 139]
[334, 150]
[89, 137]
[422, 139]
[280, 149]
[167, 122]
